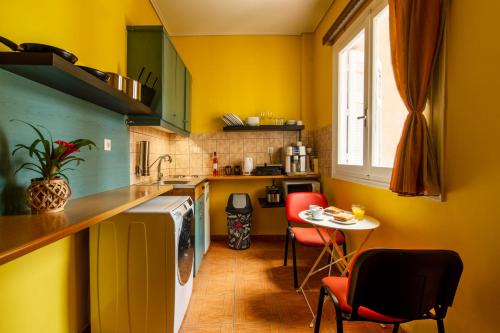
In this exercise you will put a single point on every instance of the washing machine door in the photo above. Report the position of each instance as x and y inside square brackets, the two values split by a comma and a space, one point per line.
[185, 251]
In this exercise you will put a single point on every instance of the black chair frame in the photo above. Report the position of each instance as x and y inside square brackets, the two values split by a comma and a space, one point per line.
[290, 235]
[444, 290]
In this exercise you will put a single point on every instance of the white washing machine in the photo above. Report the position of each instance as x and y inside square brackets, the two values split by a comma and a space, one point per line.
[142, 268]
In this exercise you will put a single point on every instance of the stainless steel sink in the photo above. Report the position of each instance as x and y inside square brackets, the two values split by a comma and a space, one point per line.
[173, 182]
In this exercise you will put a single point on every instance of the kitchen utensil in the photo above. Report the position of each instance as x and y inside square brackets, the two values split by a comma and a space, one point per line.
[253, 121]
[268, 170]
[133, 89]
[147, 79]
[234, 119]
[118, 81]
[140, 74]
[316, 212]
[273, 194]
[237, 170]
[228, 170]
[97, 73]
[147, 95]
[35, 47]
[248, 166]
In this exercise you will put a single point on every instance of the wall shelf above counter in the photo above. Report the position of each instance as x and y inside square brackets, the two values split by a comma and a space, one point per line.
[289, 128]
[22, 234]
[53, 71]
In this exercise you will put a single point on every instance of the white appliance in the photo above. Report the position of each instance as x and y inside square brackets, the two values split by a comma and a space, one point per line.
[248, 166]
[295, 160]
[207, 216]
[291, 186]
[141, 272]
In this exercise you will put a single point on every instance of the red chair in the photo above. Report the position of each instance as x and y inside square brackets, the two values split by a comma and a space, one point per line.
[393, 286]
[295, 203]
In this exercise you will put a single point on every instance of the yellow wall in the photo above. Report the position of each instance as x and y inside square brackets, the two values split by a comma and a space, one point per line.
[467, 222]
[46, 291]
[242, 75]
[245, 75]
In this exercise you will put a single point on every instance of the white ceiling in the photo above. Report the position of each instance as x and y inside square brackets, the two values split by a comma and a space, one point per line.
[240, 17]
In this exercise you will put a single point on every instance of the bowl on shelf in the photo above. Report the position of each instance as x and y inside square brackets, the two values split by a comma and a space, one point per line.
[291, 122]
[253, 121]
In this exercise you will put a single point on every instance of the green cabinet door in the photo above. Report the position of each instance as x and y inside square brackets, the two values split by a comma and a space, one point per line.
[169, 78]
[150, 47]
[180, 93]
[187, 113]
[199, 232]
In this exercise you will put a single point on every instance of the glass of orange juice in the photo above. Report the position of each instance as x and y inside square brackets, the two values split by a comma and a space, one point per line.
[358, 211]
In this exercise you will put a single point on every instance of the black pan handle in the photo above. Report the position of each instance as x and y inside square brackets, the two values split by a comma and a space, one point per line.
[10, 44]
[140, 74]
[156, 80]
[147, 79]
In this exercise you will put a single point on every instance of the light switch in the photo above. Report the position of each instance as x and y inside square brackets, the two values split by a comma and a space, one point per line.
[107, 144]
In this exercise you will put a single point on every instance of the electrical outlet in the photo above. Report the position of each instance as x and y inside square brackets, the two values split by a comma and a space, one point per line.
[107, 144]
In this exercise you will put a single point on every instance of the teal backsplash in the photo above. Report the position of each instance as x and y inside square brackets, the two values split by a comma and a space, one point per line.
[68, 118]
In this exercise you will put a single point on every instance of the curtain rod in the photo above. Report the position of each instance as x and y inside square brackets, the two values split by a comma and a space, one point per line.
[341, 23]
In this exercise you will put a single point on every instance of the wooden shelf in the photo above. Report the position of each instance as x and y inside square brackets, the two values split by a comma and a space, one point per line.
[263, 128]
[53, 71]
[262, 177]
[21, 234]
[264, 204]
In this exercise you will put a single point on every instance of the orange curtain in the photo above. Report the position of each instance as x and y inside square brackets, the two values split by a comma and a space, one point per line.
[415, 35]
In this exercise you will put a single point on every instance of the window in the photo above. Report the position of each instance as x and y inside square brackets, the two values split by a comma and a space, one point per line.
[368, 111]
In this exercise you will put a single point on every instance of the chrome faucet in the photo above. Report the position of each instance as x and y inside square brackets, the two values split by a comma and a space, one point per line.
[160, 159]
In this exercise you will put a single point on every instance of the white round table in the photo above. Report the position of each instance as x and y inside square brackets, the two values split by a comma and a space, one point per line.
[338, 258]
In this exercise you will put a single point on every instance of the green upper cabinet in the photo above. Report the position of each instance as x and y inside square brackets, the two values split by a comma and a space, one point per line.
[150, 47]
[180, 93]
[187, 116]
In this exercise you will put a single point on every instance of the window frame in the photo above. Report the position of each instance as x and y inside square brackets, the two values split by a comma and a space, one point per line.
[366, 174]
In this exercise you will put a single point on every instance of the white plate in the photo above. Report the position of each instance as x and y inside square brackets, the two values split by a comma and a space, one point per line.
[236, 120]
[231, 120]
[343, 222]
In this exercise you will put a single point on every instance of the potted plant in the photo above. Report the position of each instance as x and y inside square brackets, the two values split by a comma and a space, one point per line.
[50, 192]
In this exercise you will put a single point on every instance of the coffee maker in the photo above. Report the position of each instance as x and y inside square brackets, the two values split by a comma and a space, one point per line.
[296, 159]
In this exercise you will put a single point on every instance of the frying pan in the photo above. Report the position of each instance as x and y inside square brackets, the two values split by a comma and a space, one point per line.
[34, 47]
[97, 73]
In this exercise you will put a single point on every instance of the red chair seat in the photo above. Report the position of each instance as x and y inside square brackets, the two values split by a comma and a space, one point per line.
[310, 237]
[339, 286]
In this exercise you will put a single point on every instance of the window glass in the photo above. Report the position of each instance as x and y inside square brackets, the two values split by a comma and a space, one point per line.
[388, 110]
[351, 101]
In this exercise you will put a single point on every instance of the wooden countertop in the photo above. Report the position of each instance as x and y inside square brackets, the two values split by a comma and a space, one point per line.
[262, 177]
[21, 234]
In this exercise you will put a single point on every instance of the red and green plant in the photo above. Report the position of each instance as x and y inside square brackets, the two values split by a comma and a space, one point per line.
[53, 157]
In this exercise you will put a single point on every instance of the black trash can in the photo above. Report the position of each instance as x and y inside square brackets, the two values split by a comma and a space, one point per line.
[239, 219]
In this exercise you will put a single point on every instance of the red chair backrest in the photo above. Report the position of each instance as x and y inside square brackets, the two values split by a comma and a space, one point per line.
[299, 201]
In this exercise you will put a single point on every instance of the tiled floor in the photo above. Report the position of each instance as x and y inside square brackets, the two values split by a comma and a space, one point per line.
[250, 291]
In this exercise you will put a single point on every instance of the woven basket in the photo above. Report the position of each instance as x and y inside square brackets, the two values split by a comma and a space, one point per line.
[47, 196]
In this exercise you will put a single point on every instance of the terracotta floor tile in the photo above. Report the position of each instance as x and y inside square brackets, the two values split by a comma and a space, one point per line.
[251, 291]
[224, 328]
[257, 308]
[217, 285]
[258, 328]
[218, 309]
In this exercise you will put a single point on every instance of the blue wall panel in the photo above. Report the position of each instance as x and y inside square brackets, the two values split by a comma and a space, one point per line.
[68, 118]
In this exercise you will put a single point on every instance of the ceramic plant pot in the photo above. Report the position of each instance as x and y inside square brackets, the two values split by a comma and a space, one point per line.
[47, 196]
